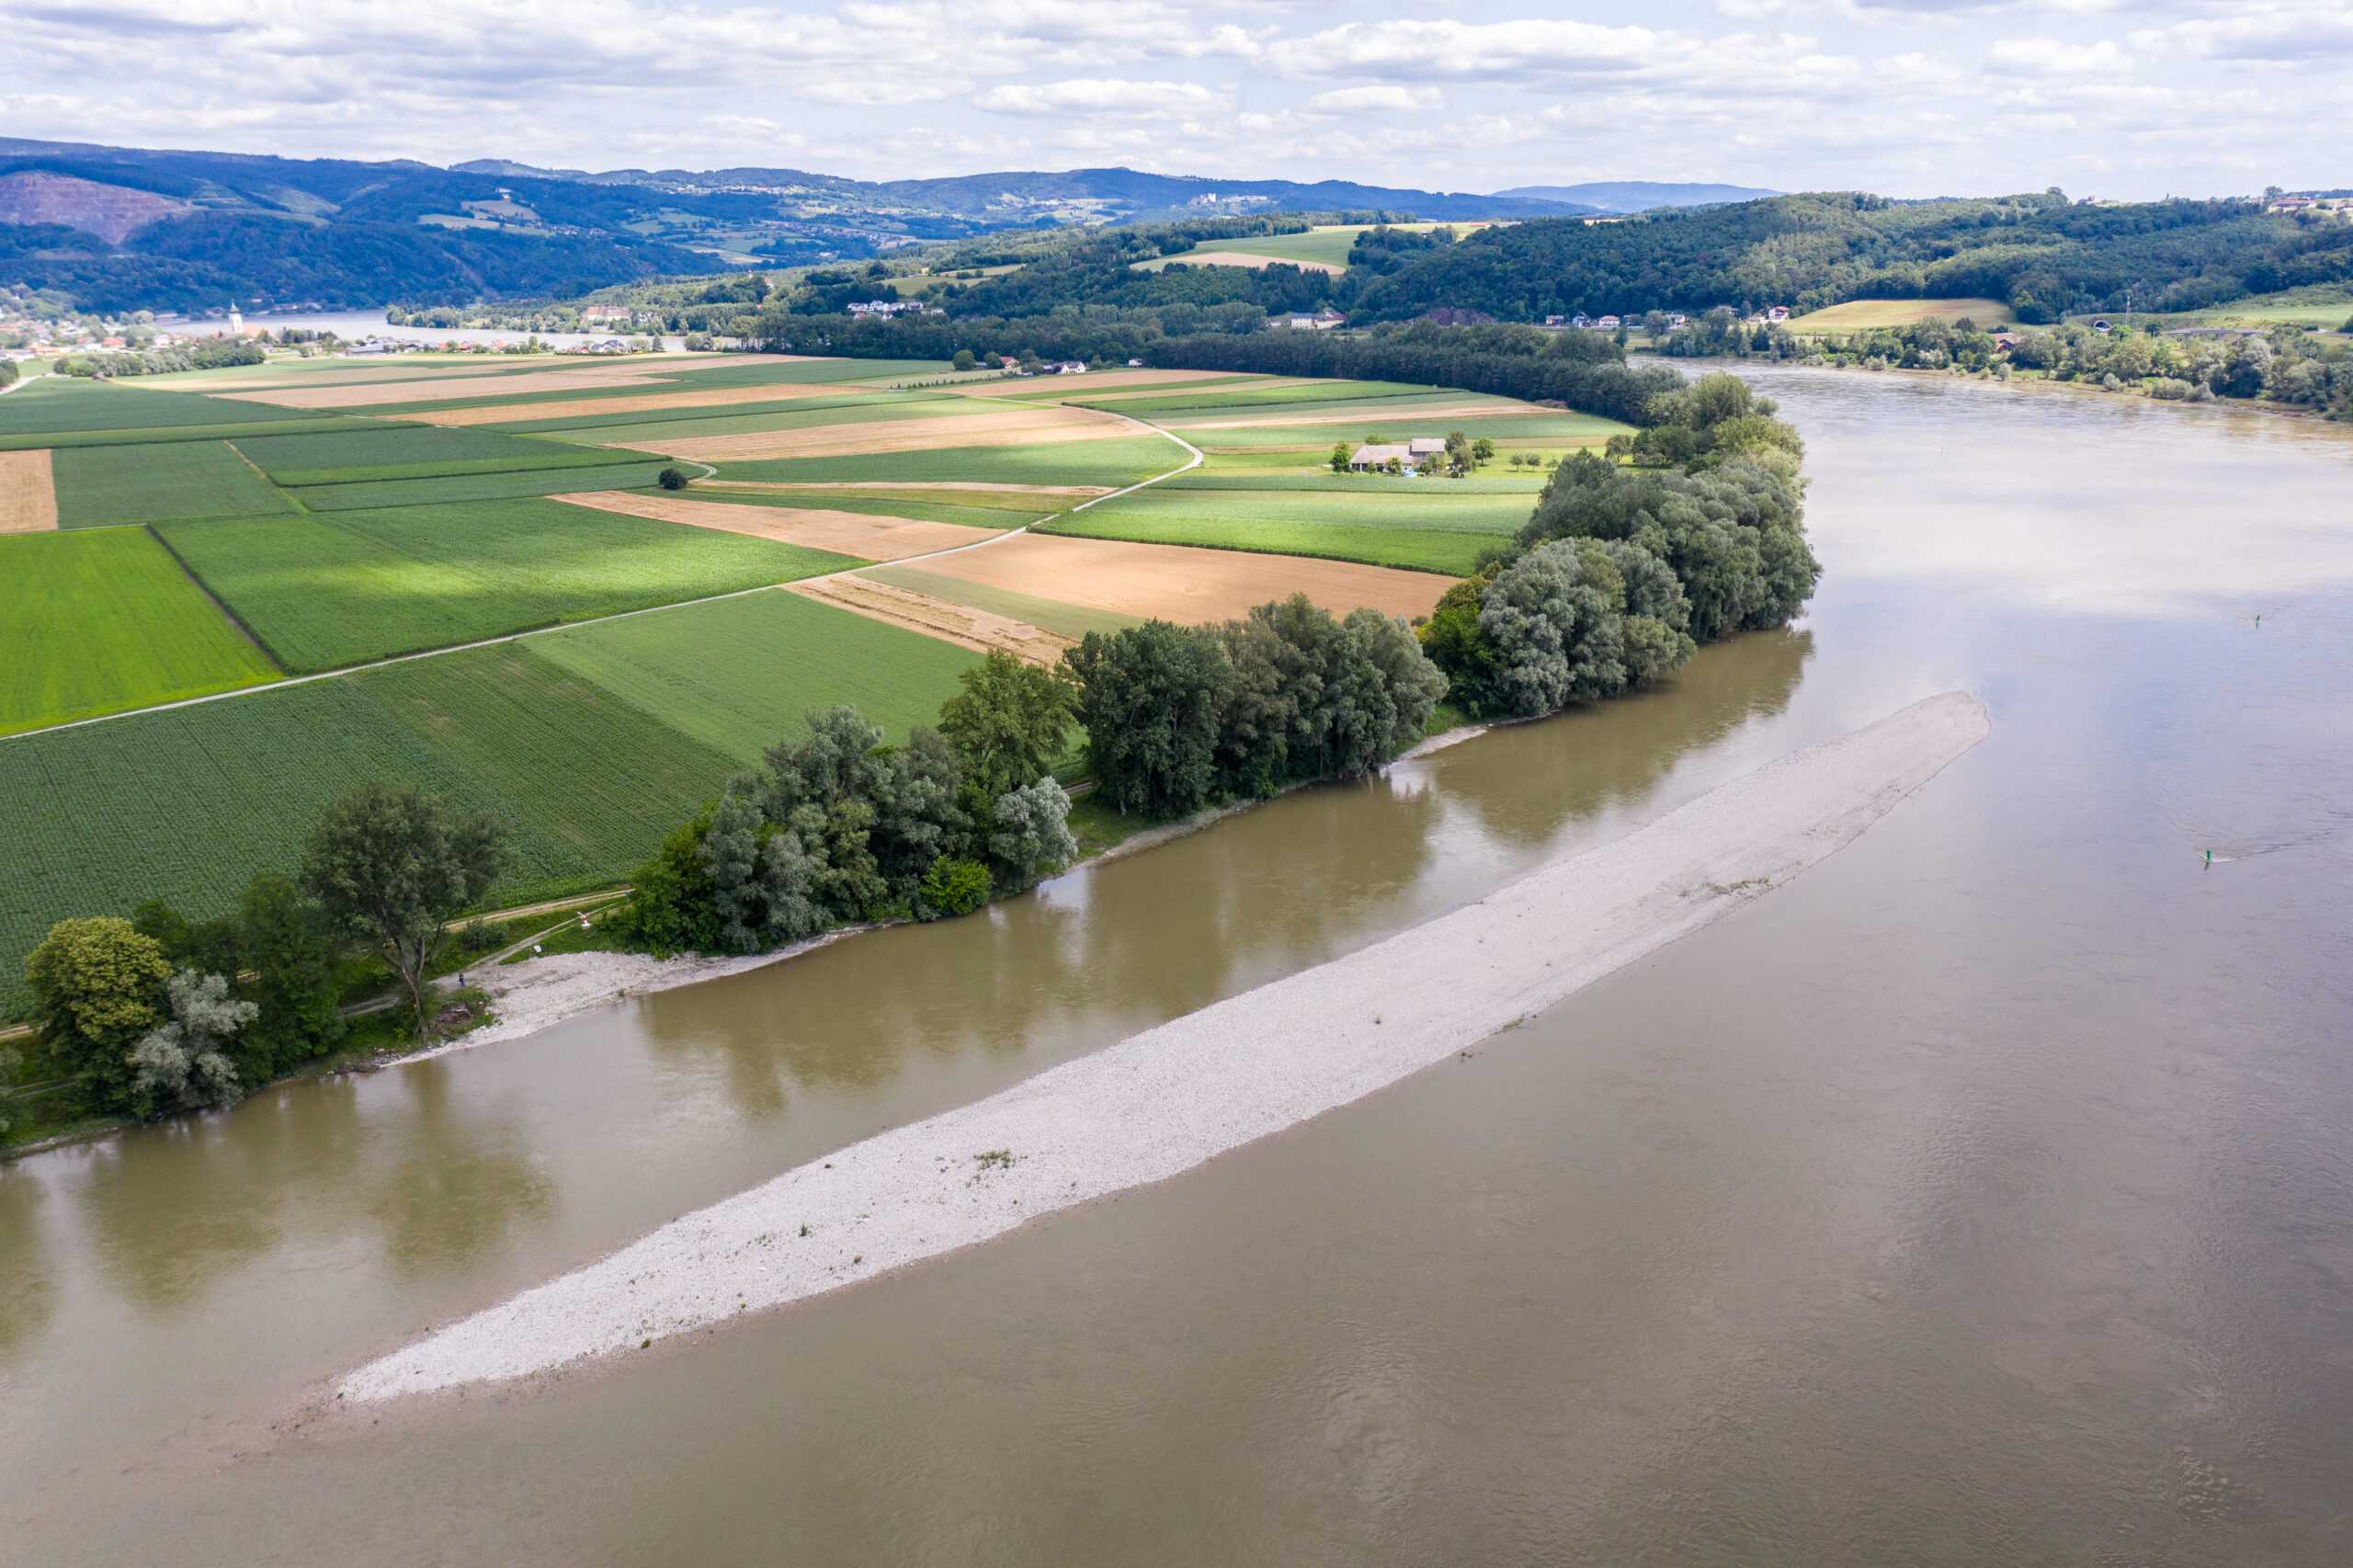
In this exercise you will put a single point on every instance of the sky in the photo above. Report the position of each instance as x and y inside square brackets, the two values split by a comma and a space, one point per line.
[2130, 99]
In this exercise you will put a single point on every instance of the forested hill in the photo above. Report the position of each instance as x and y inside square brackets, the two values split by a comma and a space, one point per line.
[2044, 254]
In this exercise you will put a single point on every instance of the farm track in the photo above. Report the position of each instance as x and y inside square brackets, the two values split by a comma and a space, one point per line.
[1193, 460]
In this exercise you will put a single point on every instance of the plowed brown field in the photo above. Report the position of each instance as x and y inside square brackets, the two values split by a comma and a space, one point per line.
[843, 533]
[1177, 582]
[27, 499]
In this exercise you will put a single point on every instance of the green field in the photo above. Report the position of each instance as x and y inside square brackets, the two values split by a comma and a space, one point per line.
[1427, 528]
[440, 490]
[103, 619]
[1119, 461]
[743, 673]
[1053, 615]
[189, 803]
[855, 397]
[1326, 242]
[97, 487]
[1241, 400]
[405, 451]
[1861, 315]
[324, 591]
[2328, 306]
[62, 404]
[924, 511]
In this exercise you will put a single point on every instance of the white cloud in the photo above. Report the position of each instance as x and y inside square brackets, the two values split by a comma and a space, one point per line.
[1098, 95]
[2054, 57]
[1360, 100]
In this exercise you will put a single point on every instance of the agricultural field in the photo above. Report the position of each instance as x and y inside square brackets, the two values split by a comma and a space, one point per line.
[2329, 307]
[102, 486]
[27, 492]
[1324, 248]
[870, 536]
[1421, 524]
[57, 411]
[741, 675]
[324, 591]
[1862, 315]
[1174, 584]
[1109, 463]
[405, 451]
[103, 619]
[590, 744]
[303, 516]
[438, 489]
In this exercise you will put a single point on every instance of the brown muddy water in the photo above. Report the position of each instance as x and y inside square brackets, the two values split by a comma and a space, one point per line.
[1984, 1196]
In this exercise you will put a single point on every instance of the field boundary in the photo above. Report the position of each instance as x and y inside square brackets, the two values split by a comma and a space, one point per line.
[234, 619]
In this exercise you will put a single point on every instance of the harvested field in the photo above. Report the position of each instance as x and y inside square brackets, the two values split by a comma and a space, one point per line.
[843, 533]
[28, 492]
[643, 403]
[884, 486]
[1067, 621]
[1239, 384]
[1091, 381]
[390, 372]
[442, 389]
[1012, 428]
[1177, 582]
[1353, 418]
[967, 627]
[1245, 258]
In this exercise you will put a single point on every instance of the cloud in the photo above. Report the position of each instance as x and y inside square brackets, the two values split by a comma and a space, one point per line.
[1361, 100]
[2053, 57]
[1419, 51]
[1099, 96]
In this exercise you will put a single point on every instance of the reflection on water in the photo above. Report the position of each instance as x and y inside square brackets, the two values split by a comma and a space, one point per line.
[457, 1188]
[1977, 1198]
[32, 1292]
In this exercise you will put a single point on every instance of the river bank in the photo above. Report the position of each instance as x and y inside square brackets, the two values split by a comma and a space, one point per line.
[1165, 1101]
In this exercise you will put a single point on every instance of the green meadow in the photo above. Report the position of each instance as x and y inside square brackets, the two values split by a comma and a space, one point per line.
[324, 591]
[103, 619]
[99, 486]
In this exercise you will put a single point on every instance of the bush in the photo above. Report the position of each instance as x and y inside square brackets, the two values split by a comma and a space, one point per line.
[964, 360]
[98, 989]
[671, 479]
[2169, 390]
[953, 887]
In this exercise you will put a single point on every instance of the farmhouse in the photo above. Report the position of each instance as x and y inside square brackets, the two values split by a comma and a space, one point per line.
[1608, 324]
[1323, 320]
[1409, 453]
[620, 313]
[1776, 313]
[1069, 367]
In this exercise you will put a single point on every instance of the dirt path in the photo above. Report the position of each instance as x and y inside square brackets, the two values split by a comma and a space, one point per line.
[978, 630]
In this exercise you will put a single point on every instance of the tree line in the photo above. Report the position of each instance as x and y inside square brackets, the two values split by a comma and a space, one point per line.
[1685, 533]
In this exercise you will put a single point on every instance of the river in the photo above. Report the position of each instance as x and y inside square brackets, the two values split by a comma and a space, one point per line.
[1983, 1197]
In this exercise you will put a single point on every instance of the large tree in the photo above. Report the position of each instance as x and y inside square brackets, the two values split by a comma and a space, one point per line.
[393, 867]
[97, 988]
[1150, 699]
[1009, 724]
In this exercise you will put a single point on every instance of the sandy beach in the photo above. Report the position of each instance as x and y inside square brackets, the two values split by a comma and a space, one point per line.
[1166, 1099]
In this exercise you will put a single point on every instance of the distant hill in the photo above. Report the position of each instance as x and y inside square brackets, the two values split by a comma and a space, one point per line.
[1637, 195]
[190, 230]
[2041, 254]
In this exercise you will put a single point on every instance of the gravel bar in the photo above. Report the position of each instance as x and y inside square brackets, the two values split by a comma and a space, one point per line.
[1163, 1101]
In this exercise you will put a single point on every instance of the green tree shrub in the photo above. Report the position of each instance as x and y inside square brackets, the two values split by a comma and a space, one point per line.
[97, 988]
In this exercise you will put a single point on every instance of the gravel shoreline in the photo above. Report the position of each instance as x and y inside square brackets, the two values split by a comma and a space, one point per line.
[1165, 1101]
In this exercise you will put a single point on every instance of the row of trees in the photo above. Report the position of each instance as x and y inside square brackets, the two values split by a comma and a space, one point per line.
[839, 827]
[207, 354]
[1177, 717]
[1626, 568]
[159, 1014]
